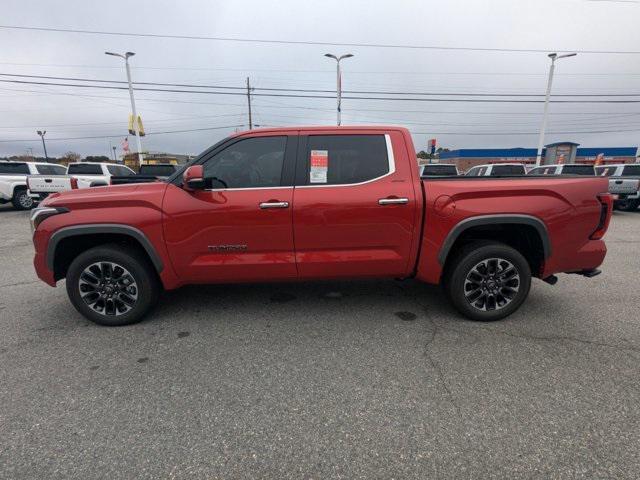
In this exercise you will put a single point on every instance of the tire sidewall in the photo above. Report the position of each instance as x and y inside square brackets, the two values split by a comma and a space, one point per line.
[137, 267]
[17, 204]
[471, 257]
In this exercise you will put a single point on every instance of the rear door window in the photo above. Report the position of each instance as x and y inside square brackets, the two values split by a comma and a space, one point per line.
[14, 168]
[84, 169]
[345, 159]
[631, 171]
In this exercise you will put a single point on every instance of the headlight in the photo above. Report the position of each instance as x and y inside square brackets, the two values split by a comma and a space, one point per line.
[38, 215]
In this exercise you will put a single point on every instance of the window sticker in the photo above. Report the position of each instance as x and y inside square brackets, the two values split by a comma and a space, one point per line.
[319, 165]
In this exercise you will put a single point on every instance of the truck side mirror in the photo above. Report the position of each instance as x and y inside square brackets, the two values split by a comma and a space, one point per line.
[193, 178]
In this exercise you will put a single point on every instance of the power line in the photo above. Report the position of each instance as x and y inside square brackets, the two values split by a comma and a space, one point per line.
[318, 43]
[285, 95]
[302, 90]
[123, 135]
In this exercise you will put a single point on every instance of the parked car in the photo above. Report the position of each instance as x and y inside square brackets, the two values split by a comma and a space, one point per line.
[147, 173]
[316, 203]
[563, 169]
[497, 170]
[13, 181]
[623, 171]
[78, 175]
[439, 170]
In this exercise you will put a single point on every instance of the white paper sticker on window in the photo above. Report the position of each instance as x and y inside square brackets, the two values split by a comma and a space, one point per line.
[319, 165]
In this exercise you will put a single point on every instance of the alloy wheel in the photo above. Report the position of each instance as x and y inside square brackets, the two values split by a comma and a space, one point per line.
[108, 288]
[492, 284]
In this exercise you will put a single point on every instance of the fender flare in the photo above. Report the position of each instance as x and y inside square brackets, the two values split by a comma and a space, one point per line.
[91, 229]
[500, 219]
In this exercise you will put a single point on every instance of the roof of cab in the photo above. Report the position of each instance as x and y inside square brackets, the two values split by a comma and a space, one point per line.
[323, 128]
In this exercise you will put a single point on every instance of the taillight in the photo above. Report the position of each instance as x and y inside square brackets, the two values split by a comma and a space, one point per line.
[74, 183]
[606, 207]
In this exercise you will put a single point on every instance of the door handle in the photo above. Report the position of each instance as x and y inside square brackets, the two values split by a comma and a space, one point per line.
[393, 201]
[264, 205]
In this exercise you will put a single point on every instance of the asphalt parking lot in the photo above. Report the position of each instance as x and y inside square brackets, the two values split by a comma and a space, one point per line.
[332, 380]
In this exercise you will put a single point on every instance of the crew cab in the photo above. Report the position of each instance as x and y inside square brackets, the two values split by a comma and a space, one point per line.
[78, 175]
[618, 174]
[311, 203]
[151, 172]
[497, 170]
[13, 181]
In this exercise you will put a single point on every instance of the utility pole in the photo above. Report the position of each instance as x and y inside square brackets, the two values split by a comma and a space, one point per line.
[553, 57]
[338, 81]
[44, 146]
[136, 126]
[249, 103]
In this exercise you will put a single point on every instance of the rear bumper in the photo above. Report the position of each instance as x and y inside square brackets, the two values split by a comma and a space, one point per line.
[586, 259]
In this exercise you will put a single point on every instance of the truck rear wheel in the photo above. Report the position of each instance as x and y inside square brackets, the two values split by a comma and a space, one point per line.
[111, 287]
[22, 201]
[487, 281]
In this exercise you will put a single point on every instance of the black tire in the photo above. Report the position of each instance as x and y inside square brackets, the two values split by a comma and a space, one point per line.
[21, 200]
[120, 302]
[628, 205]
[464, 278]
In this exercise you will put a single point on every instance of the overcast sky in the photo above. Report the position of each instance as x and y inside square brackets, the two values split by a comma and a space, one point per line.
[518, 24]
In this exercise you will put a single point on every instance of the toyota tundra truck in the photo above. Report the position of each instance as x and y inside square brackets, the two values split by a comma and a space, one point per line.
[311, 203]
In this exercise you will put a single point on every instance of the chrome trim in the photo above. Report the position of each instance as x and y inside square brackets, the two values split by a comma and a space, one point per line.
[393, 201]
[264, 205]
[250, 188]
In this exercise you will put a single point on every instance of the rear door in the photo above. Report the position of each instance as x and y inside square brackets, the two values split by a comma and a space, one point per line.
[354, 205]
[239, 228]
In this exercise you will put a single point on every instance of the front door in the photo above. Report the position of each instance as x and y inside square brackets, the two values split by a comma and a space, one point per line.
[355, 212]
[239, 228]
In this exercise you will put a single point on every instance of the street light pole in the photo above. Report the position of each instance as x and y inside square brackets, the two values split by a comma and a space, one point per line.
[338, 82]
[136, 127]
[552, 67]
[44, 146]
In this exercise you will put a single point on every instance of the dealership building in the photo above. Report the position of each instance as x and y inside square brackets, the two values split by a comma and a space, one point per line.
[560, 152]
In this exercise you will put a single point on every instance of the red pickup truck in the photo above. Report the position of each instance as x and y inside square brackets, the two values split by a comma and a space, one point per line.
[318, 203]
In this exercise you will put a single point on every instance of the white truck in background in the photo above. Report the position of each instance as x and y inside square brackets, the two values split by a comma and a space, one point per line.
[619, 174]
[13, 181]
[78, 175]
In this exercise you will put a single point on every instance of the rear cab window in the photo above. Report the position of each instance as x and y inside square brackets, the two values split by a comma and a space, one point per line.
[14, 168]
[158, 170]
[508, 170]
[578, 170]
[346, 159]
[51, 169]
[605, 171]
[119, 171]
[631, 171]
[84, 169]
[439, 170]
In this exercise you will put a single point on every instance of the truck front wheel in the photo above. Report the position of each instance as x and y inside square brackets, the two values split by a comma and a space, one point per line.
[487, 281]
[112, 287]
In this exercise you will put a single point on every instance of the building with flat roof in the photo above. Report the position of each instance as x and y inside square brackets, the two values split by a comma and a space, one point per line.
[560, 152]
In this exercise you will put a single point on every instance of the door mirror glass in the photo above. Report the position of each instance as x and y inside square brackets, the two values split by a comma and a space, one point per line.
[193, 178]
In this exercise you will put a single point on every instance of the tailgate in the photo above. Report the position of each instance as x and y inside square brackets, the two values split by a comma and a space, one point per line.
[627, 186]
[48, 183]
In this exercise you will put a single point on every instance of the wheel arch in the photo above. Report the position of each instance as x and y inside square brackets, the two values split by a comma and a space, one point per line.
[66, 243]
[525, 233]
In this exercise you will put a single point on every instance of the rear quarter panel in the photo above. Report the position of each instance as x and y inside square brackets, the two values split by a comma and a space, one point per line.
[568, 207]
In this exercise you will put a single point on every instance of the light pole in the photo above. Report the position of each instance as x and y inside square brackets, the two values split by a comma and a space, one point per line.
[44, 146]
[553, 57]
[136, 127]
[338, 80]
